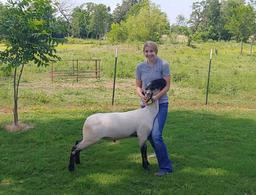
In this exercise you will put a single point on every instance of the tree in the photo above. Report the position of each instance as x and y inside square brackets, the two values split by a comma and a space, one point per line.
[212, 19]
[100, 21]
[26, 27]
[208, 19]
[241, 23]
[226, 12]
[63, 9]
[181, 20]
[145, 22]
[149, 24]
[181, 26]
[120, 13]
[253, 38]
[2, 9]
[118, 33]
[195, 20]
[80, 22]
[61, 28]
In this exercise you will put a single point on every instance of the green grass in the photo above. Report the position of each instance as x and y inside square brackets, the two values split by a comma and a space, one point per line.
[233, 77]
[212, 147]
[212, 153]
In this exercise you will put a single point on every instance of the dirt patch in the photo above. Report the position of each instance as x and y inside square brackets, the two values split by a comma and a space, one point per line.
[18, 128]
[5, 110]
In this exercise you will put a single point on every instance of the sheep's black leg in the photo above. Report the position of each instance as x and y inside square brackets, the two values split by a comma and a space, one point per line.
[145, 163]
[77, 154]
[71, 166]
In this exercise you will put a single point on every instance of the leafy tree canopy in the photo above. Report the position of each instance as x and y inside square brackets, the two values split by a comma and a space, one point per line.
[27, 27]
[147, 23]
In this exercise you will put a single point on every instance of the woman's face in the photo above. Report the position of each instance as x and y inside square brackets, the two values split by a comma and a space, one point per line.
[150, 53]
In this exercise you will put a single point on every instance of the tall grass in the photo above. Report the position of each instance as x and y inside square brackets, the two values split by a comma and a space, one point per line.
[233, 77]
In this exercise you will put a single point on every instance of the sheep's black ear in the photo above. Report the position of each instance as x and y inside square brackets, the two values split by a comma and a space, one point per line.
[163, 83]
[149, 86]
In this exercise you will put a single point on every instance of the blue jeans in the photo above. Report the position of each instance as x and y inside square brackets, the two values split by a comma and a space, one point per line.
[156, 139]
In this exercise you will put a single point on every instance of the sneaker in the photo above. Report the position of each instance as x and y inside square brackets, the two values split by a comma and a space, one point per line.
[162, 173]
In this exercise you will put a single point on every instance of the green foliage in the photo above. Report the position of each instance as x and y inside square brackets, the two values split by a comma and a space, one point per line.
[121, 12]
[118, 33]
[241, 22]
[100, 21]
[26, 27]
[215, 20]
[150, 23]
[5, 71]
[80, 23]
[60, 28]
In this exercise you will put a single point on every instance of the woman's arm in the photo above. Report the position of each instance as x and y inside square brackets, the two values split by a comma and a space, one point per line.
[139, 91]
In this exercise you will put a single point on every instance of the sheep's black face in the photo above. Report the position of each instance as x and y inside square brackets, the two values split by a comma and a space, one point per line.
[154, 87]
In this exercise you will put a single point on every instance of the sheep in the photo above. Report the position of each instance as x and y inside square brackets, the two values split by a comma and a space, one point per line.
[118, 125]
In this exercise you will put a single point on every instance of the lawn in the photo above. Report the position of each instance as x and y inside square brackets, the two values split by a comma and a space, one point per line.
[211, 147]
[212, 153]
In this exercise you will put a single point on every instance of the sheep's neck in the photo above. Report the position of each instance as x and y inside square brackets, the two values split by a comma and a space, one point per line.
[154, 107]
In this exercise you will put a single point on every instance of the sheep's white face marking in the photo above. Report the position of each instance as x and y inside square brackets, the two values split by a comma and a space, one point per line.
[148, 94]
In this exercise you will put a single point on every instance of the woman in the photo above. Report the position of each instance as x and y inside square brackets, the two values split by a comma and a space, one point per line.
[155, 68]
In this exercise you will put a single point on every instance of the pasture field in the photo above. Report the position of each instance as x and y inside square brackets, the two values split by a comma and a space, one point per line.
[212, 147]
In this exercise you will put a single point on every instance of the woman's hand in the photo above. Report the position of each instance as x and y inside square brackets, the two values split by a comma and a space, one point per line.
[144, 99]
[139, 91]
[154, 98]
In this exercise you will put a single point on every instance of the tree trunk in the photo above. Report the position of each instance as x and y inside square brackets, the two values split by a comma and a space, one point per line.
[251, 47]
[16, 84]
[189, 41]
[15, 99]
[241, 48]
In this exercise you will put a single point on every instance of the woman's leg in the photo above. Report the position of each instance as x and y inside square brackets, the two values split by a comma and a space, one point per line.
[157, 142]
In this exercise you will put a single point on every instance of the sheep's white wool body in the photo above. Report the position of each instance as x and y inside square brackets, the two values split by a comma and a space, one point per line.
[119, 125]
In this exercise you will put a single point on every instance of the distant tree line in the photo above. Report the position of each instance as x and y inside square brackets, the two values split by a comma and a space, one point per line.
[140, 20]
[219, 20]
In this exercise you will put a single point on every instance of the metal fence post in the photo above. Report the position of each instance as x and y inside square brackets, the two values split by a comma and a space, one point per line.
[208, 80]
[114, 82]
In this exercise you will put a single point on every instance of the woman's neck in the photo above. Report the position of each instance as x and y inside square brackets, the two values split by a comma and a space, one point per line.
[151, 62]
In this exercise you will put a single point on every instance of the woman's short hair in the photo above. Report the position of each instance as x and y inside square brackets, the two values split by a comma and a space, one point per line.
[150, 44]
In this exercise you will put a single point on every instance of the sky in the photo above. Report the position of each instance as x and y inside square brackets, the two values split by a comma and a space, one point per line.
[172, 8]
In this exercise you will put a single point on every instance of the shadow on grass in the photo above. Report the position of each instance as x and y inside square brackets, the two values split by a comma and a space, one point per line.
[211, 154]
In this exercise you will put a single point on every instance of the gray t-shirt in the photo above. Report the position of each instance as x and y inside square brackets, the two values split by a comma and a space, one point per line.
[146, 73]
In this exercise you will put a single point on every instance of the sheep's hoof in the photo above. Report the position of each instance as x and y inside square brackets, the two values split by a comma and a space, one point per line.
[78, 161]
[71, 168]
[77, 158]
[146, 166]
